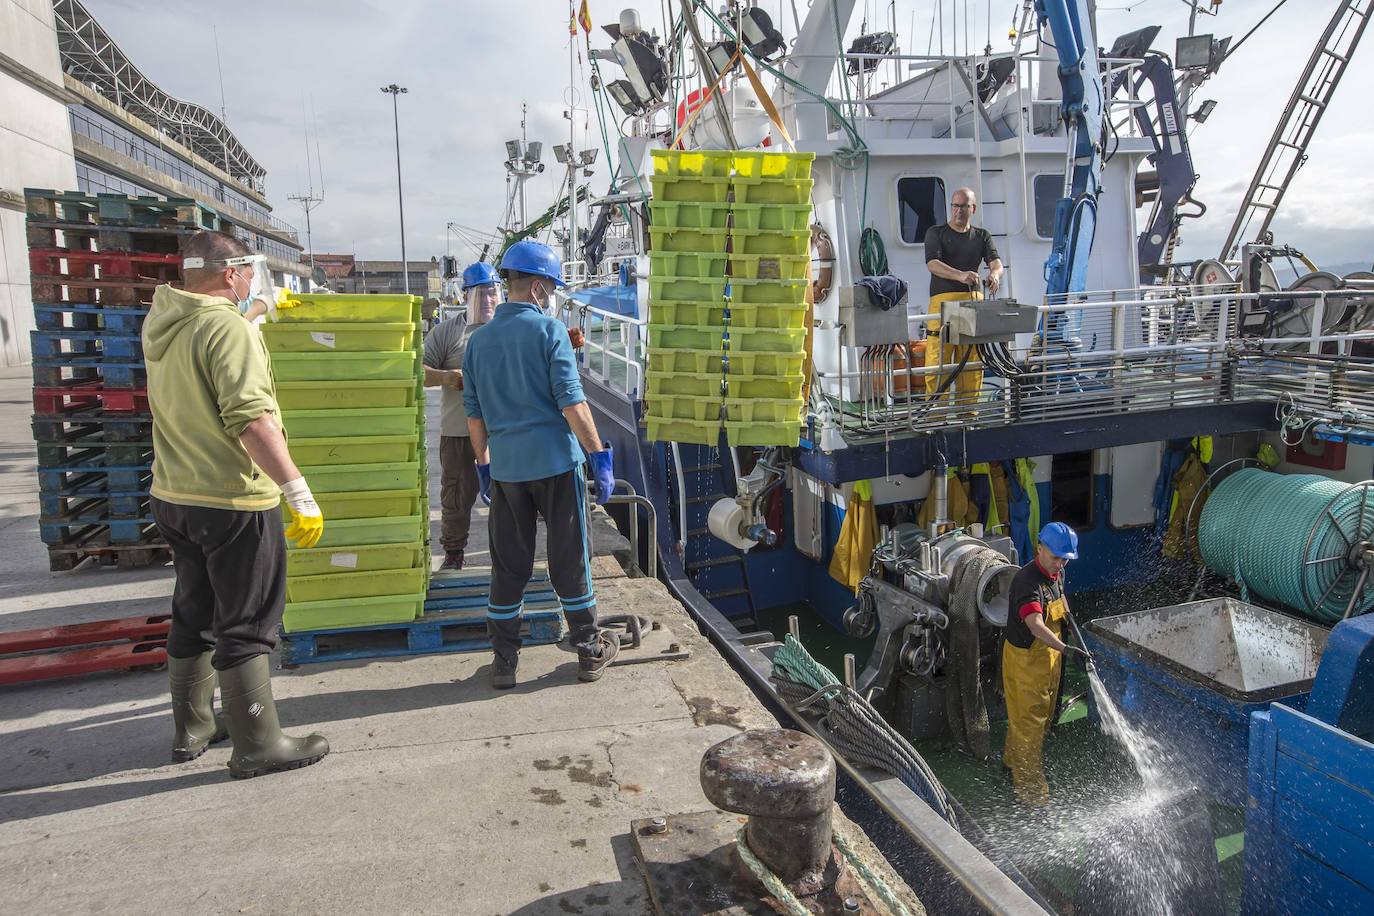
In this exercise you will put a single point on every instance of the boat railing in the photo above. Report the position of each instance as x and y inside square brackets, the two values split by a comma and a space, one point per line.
[613, 348]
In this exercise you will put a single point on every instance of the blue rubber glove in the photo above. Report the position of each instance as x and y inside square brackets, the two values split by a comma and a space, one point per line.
[603, 472]
[484, 483]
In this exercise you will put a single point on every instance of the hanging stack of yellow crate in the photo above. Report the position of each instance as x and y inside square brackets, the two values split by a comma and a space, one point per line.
[727, 295]
[350, 386]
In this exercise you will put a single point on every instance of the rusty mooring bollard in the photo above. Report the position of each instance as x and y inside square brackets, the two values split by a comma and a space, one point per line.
[785, 781]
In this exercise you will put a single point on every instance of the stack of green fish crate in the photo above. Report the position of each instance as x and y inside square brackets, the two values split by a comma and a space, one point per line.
[350, 387]
[727, 295]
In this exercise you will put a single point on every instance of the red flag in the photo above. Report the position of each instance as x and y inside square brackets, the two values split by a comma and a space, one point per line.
[584, 18]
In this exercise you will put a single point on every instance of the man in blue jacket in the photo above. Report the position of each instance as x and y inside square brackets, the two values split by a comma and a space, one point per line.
[529, 424]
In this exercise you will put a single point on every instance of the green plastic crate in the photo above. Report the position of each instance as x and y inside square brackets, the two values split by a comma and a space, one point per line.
[694, 163]
[770, 165]
[672, 337]
[343, 367]
[686, 289]
[769, 266]
[362, 421]
[319, 561]
[767, 315]
[702, 314]
[320, 395]
[692, 190]
[773, 387]
[357, 478]
[347, 307]
[339, 532]
[369, 584]
[763, 410]
[739, 434]
[684, 407]
[687, 264]
[788, 217]
[701, 362]
[400, 503]
[684, 383]
[775, 292]
[775, 364]
[354, 449]
[696, 240]
[792, 191]
[766, 340]
[339, 336]
[686, 214]
[770, 241]
[351, 612]
[663, 430]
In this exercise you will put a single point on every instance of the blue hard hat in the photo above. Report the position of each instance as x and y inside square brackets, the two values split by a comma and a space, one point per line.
[536, 258]
[479, 274]
[1060, 540]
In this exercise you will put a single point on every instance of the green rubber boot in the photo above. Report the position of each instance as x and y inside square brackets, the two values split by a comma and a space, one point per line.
[259, 745]
[192, 682]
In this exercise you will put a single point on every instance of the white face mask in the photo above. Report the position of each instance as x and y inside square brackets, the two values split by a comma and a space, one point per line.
[245, 301]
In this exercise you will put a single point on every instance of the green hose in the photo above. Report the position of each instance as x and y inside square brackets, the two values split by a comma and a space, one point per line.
[1291, 538]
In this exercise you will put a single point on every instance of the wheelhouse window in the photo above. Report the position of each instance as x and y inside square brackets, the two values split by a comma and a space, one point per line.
[920, 205]
[1046, 191]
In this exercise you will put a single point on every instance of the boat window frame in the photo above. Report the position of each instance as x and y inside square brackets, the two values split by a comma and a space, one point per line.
[897, 210]
[1030, 191]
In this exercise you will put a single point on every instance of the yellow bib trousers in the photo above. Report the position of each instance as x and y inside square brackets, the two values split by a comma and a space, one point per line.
[1030, 679]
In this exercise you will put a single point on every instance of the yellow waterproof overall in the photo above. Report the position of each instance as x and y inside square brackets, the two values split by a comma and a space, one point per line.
[1030, 679]
[970, 382]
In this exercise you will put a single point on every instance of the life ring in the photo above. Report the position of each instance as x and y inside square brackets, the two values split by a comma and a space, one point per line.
[823, 262]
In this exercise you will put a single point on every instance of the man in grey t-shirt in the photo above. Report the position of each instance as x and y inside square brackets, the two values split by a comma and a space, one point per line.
[445, 345]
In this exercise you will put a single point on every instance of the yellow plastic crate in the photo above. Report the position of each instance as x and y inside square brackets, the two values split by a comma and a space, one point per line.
[693, 190]
[348, 307]
[770, 165]
[686, 289]
[687, 264]
[772, 387]
[775, 364]
[318, 395]
[358, 478]
[767, 315]
[737, 434]
[693, 163]
[343, 367]
[686, 214]
[791, 191]
[704, 314]
[769, 266]
[339, 336]
[702, 362]
[684, 407]
[770, 242]
[394, 530]
[319, 561]
[354, 450]
[663, 430]
[766, 340]
[775, 292]
[697, 240]
[351, 612]
[401, 503]
[763, 410]
[344, 422]
[787, 217]
[366, 584]
[686, 337]
[692, 384]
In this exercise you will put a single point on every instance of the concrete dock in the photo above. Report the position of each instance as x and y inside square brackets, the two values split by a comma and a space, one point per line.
[439, 795]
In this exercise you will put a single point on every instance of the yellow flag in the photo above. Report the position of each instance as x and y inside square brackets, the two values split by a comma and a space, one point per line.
[584, 18]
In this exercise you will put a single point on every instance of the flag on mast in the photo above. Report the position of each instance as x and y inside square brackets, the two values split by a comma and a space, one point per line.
[584, 18]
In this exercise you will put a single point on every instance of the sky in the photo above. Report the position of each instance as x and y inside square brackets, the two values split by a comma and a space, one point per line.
[469, 64]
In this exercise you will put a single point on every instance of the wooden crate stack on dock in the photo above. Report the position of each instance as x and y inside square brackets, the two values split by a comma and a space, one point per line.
[94, 262]
[727, 295]
[350, 385]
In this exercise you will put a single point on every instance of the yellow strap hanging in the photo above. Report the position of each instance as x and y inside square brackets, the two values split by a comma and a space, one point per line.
[705, 99]
[767, 102]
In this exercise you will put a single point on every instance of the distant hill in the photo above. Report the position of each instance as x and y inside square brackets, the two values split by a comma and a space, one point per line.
[1287, 276]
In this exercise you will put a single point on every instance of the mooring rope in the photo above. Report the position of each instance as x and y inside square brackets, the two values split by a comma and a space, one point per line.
[783, 894]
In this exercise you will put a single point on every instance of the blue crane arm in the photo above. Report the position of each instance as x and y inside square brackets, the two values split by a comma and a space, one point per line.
[1080, 77]
[1173, 162]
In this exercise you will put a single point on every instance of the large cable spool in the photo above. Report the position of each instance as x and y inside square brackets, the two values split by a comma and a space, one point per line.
[1301, 540]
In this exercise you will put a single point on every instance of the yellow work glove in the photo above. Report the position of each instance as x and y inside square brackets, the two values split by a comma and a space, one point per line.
[307, 521]
[277, 303]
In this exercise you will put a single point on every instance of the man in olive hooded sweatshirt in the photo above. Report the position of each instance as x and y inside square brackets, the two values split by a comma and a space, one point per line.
[220, 470]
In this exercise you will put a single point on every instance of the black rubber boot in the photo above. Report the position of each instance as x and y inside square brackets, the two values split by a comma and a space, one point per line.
[259, 745]
[591, 663]
[192, 682]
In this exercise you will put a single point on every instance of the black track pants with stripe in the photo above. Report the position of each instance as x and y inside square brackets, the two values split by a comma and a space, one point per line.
[561, 501]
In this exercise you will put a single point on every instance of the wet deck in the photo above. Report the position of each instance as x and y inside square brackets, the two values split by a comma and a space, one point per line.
[439, 795]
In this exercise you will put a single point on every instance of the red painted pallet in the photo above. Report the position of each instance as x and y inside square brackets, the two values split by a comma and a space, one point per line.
[53, 402]
[104, 645]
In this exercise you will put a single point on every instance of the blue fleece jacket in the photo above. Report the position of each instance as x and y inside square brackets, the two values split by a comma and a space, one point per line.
[519, 374]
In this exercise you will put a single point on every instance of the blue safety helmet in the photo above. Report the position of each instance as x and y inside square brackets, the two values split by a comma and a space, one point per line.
[535, 258]
[1060, 540]
[479, 274]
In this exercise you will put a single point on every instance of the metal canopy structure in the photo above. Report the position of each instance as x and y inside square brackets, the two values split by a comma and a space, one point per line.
[90, 55]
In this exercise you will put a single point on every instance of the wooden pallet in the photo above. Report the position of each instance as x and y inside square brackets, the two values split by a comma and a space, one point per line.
[63, 557]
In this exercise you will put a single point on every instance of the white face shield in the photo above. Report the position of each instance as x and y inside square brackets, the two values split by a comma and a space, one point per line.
[481, 302]
[259, 288]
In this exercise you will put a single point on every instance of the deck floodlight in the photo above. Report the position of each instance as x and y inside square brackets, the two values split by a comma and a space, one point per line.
[1193, 52]
[588, 156]
[560, 152]
[1204, 111]
[762, 40]
[719, 54]
[534, 150]
[624, 95]
[513, 151]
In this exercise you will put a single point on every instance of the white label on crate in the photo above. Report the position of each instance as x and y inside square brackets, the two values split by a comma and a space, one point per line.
[324, 339]
[346, 560]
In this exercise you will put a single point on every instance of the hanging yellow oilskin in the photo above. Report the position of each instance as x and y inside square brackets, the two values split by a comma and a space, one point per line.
[853, 555]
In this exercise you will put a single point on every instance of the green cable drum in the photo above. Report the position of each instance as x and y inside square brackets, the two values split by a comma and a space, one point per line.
[1298, 539]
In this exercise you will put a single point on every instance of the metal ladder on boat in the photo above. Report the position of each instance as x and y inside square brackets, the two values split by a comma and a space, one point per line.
[717, 569]
[1287, 150]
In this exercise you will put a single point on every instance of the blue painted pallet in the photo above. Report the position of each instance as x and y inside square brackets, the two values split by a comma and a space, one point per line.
[89, 524]
[81, 316]
[93, 423]
[101, 477]
[53, 372]
[103, 344]
[92, 450]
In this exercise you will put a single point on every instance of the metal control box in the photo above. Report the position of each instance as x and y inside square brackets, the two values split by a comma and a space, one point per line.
[979, 321]
[868, 325]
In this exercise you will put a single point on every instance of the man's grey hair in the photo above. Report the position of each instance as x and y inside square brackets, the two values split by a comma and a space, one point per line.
[969, 196]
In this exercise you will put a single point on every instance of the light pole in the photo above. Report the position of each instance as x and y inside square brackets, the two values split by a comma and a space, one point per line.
[395, 91]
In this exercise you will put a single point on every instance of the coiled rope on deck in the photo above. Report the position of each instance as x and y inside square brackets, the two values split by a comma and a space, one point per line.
[1291, 538]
